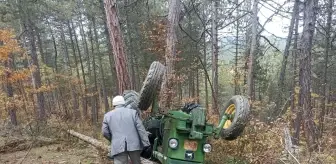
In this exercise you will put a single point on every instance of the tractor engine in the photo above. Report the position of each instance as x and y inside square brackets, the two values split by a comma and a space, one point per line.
[185, 129]
[154, 125]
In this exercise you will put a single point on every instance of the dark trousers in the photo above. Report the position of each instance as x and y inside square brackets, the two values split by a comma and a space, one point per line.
[122, 158]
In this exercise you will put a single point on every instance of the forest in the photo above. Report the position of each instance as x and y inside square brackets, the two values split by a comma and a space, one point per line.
[62, 62]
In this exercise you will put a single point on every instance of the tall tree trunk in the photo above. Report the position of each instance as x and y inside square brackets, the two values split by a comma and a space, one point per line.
[215, 48]
[191, 64]
[249, 21]
[85, 45]
[55, 48]
[284, 60]
[197, 86]
[101, 70]
[130, 48]
[68, 69]
[170, 53]
[293, 100]
[205, 63]
[305, 72]
[236, 77]
[37, 83]
[39, 40]
[109, 48]
[117, 43]
[9, 88]
[325, 71]
[205, 74]
[253, 50]
[44, 60]
[73, 49]
[329, 94]
[84, 98]
[94, 90]
[76, 110]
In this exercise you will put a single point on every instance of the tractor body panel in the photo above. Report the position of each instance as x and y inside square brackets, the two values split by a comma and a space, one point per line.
[174, 161]
[191, 132]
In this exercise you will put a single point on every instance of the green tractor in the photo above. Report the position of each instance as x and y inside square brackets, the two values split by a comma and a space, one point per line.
[180, 135]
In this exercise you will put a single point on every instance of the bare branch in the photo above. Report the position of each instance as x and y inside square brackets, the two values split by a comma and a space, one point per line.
[199, 17]
[319, 24]
[270, 18]
[272, 8]
[234, 21]
[269, 42]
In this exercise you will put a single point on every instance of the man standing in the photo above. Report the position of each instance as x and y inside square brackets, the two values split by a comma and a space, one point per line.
[124, 129]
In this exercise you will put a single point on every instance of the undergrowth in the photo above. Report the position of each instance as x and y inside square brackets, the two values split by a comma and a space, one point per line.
[263, 143]
[260, 143]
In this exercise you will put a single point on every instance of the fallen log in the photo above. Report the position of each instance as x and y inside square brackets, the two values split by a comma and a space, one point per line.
[100, 145]
[90, 140]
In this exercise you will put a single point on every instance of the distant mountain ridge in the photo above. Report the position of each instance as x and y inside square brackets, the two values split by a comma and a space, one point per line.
[227, 46]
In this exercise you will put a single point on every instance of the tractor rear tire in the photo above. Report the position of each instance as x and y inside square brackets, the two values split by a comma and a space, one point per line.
[151, 86]
[131, 99]
[239, 120]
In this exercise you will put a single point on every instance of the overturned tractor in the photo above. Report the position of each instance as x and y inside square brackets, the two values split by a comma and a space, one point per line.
[180, 135]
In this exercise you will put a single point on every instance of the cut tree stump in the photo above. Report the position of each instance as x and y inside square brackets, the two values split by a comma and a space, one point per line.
[100, 145]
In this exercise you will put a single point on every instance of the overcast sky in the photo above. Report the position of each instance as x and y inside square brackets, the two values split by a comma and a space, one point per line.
[279, 25]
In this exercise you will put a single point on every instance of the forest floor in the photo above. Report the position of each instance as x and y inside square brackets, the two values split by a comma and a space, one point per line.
[17, 147]
[260, 143]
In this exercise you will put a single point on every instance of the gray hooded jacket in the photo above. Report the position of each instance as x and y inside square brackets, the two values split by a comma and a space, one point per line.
[123, 127]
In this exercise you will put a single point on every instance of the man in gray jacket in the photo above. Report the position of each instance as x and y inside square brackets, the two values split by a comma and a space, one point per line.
[124, 129]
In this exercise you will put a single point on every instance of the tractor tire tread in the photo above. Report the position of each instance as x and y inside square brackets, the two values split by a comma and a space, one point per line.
[151, 85]
[131, 99]
[240, 119]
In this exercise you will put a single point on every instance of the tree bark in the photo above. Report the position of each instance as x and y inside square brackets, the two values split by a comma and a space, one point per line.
[326, 61]
[39, 40]
[236, 77]
[75, 101]
[130, 48]
[293, 99]
[249, 21]
[285, 57]
[101, 70]
[85, 45]
[170, 54]
[84, 98]
[305, 72]
[44, 60]
[117, 43]
[205, 62]
[37, 83]
[205, 74]
[253, 50]
[215, 49]
[55, 48]
[94, 90]
[109, 48]
[10, 92]
[73, 49]
[68, 69]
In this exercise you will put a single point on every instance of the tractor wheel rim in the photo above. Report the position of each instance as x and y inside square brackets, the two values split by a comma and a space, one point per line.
[230, 113]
